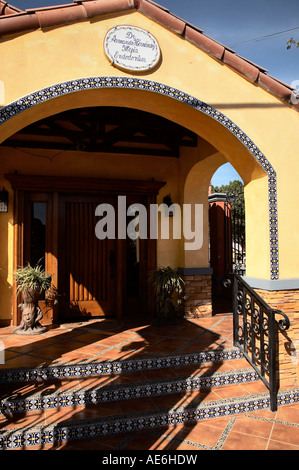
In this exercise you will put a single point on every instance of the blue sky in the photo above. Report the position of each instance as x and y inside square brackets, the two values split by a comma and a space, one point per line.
[240, 25]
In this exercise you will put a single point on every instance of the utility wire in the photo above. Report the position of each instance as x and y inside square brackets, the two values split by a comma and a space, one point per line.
[262, 38]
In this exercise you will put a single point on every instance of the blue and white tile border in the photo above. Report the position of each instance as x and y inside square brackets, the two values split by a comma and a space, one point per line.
[100, 394]
[86, 429]
[98, 368]
[72, 86]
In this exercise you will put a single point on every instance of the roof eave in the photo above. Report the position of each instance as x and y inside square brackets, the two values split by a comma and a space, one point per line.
[31, 19]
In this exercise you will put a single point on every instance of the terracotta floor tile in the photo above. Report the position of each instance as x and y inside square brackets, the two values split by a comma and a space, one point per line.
[202, 347]
[225, 325]
[117, 339]
[92, 337]
[237, 364]
[285, 433]
[62, 414]
[264, 414]
[190, 371]
[99, 443]
[158, 374]
[25, 390]
[201, 433]
[200, 396]
[71, 357]
[187, 333]
[254, 427]
[255, 387]
[71, 344]
[289, 413]
[22, 421]
[88, 444]
[240, 441]
[207, 322]
[115, 354]
[274, 445]
[24, 360]
[146, 441]
[90, 349]
[140, 404]
[176, 445]
[229, 391]
[100, 381]
[171, 401]
[127, 378]
[101, 410]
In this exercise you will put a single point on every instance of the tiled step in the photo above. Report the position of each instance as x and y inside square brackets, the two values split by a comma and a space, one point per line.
[108, 390]
[83, 384]
[47, 405]
[55, 428]
[94, 369]
[36, 402]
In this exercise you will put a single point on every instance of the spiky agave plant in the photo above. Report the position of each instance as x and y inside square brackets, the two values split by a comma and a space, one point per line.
[168, 287]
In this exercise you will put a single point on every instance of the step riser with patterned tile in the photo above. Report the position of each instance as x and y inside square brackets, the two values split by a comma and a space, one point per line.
[106, 394]
[87, 429]
[94, 369]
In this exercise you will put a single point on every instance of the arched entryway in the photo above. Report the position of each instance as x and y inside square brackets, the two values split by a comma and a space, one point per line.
[219, 138]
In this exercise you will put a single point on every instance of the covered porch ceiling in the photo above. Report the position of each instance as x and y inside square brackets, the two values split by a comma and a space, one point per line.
[105, 129]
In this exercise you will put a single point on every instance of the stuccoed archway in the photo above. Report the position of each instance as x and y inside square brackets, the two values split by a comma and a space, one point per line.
[92, 83]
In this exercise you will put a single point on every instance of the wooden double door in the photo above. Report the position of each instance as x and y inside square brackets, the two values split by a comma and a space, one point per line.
[99, 273]
[94, 276]
[87, 264]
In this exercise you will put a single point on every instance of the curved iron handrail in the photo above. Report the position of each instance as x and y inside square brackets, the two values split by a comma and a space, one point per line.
[255, 333]
[283, 324]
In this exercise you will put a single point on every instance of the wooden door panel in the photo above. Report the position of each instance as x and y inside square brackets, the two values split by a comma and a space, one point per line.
[87, 273]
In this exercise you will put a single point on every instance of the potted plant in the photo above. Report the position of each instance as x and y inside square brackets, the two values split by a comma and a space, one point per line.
[32, 282]
[168, 287]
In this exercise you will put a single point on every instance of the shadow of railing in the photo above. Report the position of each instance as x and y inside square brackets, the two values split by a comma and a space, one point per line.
[148, 342]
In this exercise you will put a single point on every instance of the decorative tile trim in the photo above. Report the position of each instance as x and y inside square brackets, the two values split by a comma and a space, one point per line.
[105, 394]
[93, 369]
[72, 86]
[86, 429]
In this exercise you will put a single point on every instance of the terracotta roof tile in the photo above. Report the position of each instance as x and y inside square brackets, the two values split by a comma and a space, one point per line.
[204, 42]
[63, 15]
[241, 65]
[274, 86]
[14, 24]
[162, 16]
[7, 9]
[102, 7]
[14, 21]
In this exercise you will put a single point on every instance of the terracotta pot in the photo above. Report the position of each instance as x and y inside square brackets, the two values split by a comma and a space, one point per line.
[32, 296]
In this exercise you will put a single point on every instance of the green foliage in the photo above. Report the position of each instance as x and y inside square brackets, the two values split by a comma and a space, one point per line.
[235, 188]
[168, 286]
[32, 278]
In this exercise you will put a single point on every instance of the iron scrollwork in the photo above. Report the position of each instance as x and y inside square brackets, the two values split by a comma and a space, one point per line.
[255, 333]
[284, 323]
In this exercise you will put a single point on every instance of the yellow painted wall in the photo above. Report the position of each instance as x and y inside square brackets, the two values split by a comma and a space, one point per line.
[42, 58]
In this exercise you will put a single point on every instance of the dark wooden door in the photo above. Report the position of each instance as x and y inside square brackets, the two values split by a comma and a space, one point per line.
[87, 265]
[135, 259]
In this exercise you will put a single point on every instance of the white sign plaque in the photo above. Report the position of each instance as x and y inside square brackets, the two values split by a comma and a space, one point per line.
[131, 48]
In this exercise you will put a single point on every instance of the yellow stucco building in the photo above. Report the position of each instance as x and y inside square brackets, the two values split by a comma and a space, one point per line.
[80, 126]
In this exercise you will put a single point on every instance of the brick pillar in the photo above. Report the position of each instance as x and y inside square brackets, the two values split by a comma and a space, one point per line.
[198, 292]
[288, 342]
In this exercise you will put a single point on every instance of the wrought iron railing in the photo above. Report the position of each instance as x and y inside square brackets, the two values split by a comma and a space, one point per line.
[256, 333]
